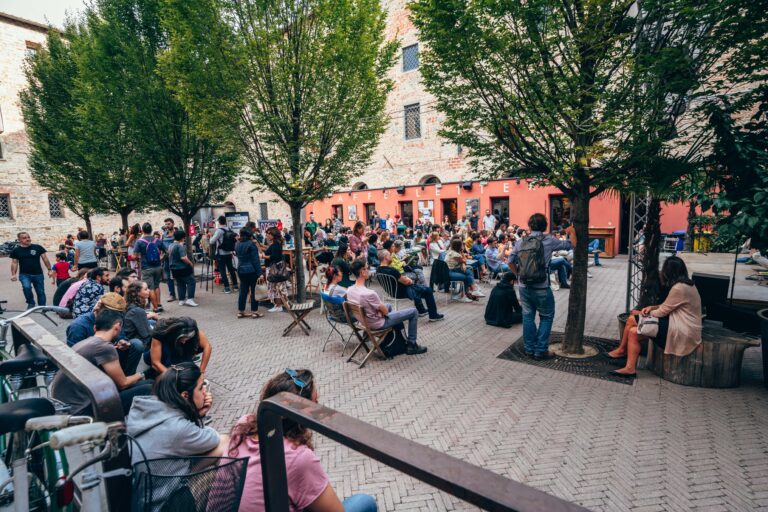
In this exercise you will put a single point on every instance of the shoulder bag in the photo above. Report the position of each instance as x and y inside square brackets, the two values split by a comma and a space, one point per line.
[648, 326]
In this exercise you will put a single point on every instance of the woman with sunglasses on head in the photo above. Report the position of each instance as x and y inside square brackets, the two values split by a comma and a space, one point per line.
[308, 484]
[169, 423]
[177, 340]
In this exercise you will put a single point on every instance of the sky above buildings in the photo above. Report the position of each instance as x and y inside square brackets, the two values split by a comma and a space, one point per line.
[43, 11]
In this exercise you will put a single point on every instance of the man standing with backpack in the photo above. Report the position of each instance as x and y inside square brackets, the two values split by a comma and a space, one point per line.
[531, 258]
[225, 240]
[148, 250]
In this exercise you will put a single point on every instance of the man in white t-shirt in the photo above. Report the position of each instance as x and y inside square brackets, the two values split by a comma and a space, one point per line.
[489, 222]
[378, 314]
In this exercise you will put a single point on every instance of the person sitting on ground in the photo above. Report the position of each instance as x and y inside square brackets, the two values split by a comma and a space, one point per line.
[116, 286]
[65, 293]
[100, 351]
[333, 277]
[308, 485]
[503, 309]
[169, 422]
[380, 315]
[177, 340]
[341, 261]
[459, 272]
[407, 288]
[89, 293]
[679, 320]
[137, 324]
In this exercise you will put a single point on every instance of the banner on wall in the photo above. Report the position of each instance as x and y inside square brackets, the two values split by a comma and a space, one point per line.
[473, 205]
[352, 212]
[265, 224]
[237, 220]
[426, 209]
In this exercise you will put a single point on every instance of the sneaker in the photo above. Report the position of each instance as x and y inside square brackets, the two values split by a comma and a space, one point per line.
[182, 302]
[415, 349]
[598, 264]
[465, 300]
[159, 309]
[477, 293]
[276, 309]
[544, 357]
[437, 318]
[192, 303]
[171, 298]
[423, 313]
[227, 290]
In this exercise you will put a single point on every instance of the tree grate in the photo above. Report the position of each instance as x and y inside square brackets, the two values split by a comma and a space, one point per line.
[596, 367]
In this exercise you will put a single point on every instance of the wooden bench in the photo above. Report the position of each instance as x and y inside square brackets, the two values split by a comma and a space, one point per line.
[716, 362]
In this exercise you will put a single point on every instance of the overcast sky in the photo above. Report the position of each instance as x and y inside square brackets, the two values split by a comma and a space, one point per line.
[42, 11]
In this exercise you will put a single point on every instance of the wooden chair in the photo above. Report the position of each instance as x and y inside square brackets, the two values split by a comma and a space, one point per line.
[364, 333]
[298, 312]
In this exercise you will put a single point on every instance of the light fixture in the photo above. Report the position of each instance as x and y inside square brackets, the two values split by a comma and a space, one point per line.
[483, 183]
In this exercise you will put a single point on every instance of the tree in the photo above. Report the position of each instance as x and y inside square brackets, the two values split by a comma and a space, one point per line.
[176, 168]
[299, 85]
[49, 108]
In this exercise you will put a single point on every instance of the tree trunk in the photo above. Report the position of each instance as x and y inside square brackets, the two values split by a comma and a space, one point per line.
[577, 301]
[124, 219]
[690, 232]
[650, 286]
[186, 221]
[88, 226]
[298, 257]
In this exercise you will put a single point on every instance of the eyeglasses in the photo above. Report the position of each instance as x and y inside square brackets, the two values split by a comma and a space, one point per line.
[178, 370]
[296, 380]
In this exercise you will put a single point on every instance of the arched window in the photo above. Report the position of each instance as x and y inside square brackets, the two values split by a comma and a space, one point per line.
[360, 186]
[429, 179]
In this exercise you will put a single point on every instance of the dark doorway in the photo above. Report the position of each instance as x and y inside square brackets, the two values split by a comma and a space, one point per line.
[369, 209]
[624, 214]
[559, 211]
[338, 211]
[500, 208]
[406, 213]
[451, 209]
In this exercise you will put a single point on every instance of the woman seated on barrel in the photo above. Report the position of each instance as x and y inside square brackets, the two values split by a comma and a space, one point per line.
[679, 320]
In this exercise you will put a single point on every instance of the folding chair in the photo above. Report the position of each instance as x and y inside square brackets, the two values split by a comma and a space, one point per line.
[441, 277]
[335, 315]
[390, 286]
[298, 312]
[364, 333]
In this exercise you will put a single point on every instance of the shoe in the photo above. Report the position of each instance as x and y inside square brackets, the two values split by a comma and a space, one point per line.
[622, 375]
[589, 275]
[182, 302]
[172, 298]
[227, 290]
[598, 264]
[437, 318]
[235, 288]
[465, 300]
[276, 309]
[529, 354]
[159, 309]
[477, 293]
[423, 313]
[192, 303]
[543, 357]
[415, 349]
[565, 287]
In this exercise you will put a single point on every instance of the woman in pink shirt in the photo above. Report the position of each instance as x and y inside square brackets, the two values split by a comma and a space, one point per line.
[308, 484]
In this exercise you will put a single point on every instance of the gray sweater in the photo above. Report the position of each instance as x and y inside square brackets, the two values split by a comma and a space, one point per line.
[136, 325]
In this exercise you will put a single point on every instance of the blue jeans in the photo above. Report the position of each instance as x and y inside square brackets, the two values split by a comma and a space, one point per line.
[169, 277]
[743, 259]
[416, 293]
[396, 318]
[465, 277]
[27, 282]
[185, 282]
[130, 357]
[562, 266]
[360, 503]
[533, 300]
[594, 248]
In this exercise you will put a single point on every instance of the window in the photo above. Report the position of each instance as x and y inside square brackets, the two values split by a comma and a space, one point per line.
[360, 186]
[263, 211]
[31, 49]
[54, 207]
[412, 121]
[2, 151]
[5, 206]
[411, 57]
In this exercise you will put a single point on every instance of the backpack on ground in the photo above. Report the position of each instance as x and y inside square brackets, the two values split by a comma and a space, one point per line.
[228, 240]
[152, 252]
[394, 343]
[532, 268]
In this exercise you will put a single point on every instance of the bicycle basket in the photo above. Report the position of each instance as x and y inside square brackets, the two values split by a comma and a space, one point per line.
[188, 483]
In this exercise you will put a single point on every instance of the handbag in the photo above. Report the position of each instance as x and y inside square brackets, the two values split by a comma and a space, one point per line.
[648, 326]
[260, 291]
[278, 273]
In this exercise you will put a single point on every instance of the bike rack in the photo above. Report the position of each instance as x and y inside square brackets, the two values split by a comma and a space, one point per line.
[475, 485]
[102, 391]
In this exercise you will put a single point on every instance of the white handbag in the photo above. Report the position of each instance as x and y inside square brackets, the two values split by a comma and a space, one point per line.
[648, 326]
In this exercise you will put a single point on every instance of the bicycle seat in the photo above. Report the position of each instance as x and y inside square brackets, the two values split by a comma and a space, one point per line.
[29, 359]
[14, 415]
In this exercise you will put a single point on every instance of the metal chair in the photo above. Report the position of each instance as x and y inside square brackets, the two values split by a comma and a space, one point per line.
[441, 277]
[364, 333]
[390, 286]
[335, 316]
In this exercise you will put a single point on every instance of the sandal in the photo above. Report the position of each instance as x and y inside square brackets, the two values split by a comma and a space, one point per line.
[241, 315]
[256, 315]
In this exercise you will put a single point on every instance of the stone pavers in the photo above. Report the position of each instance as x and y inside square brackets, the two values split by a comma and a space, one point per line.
[650, 446]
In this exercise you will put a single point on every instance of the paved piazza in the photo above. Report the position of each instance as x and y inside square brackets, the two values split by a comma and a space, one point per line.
[650, 446]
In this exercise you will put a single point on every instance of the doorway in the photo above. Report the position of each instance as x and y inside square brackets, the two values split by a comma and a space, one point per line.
[369, 209]
[338, 211]
[451, 209]
[500, 208]
[406, 213]
[559, 211]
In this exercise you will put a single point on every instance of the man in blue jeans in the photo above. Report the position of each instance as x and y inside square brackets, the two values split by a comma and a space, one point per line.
[407, 289]
[538, 297]
[594, 248]
[26, 262]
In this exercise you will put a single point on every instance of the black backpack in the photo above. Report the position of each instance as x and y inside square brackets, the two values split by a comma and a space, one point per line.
[228, 240]
[532, 267]
[394, 343]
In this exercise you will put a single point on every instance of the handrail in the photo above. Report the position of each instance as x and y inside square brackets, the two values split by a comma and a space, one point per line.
[102, 391]
[475, 485]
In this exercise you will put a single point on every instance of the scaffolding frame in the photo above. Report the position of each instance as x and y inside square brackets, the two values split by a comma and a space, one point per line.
[638, 217]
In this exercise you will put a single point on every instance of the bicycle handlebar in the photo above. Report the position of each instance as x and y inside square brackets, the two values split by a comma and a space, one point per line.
[38, 309]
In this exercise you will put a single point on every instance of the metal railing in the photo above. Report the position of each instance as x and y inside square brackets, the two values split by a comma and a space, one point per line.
[104, 396]
[467, 482]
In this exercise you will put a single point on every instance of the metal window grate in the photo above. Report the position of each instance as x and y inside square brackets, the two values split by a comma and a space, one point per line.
[5, 206]
[263, 213]
[412, 121]
[411, 57]
[54, 207]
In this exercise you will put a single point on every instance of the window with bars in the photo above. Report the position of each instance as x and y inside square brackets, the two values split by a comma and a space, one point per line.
[54, 207]
[412, 121]
[411, 57]
[5, 206]
[263, 211]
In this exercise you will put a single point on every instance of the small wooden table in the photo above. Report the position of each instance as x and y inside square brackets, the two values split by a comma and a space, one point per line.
[309, 256]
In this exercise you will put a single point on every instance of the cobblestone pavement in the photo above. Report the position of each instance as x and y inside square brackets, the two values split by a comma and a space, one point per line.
[650, 446]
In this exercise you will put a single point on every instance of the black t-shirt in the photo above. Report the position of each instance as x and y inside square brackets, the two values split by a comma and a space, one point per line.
[401, 288]
[29, 259]
[275, 253]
